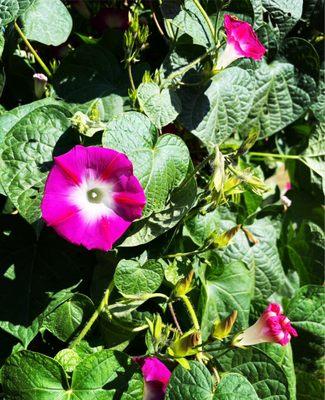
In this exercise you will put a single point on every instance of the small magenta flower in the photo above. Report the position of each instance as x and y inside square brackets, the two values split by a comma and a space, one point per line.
[242, 41]
[156, 376]
[40, 82]
[91, 196]
[272, 326]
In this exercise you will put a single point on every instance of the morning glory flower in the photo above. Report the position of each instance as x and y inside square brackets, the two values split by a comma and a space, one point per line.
[272, 326]
[242, 41]
[91, 196]
[156, 376]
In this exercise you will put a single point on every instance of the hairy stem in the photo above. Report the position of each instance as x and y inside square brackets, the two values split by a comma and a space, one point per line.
[172, 311]
[95, 315]
[32, 50]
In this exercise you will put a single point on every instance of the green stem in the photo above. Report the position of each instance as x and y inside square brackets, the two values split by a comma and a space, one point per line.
[31, 48]
[95, 315]
[206, 17]
[191, 311]
[270, 155]
[189, 253]
[131, 77]
[195, 171]
[183, 70]
[196, 324]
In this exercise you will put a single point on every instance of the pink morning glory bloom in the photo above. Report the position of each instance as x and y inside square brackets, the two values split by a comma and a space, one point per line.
[91, 196]
[156, 376]
[272, 326]
[242, 41]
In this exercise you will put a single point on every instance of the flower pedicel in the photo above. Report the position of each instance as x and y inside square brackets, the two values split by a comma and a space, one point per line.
[91, 196]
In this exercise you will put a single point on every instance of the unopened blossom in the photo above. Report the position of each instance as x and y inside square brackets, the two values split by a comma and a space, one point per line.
[91, 196]
[156, 376]
[242, 41]
[272, 326]
[40, 82]
[286, 201]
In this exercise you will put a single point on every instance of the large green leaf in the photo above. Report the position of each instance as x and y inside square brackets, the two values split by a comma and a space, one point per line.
[263, 257]
[234, 387]
[306, 310]
[161, 164]
[319, 106]
[68, 317]
[282, 355]
[27, 153]
[47, 22]
[190, 384]
[306, 252]
[8, 11]
[132, 278]
[226, 291]
[281, 97]
[29, 376]
[103, 375]
[10, 118]
[266, 377]
[89, 73]
[284, 13]
[201, 226]
[104, 368]
[162, 106]
[187, 19]
[23, 5]
[213, 112]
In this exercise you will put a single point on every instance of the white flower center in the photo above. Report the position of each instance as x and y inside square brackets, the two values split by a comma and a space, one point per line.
[94, 199]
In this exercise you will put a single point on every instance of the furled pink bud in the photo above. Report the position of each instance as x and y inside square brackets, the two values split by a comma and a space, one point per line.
[156, 376]
[40, 82]
[241, 42]
[111, 18]
[272, 326]
[287, 186]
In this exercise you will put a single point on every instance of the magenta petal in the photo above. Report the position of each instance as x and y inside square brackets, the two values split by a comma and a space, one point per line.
[91, 196]
[242, 37]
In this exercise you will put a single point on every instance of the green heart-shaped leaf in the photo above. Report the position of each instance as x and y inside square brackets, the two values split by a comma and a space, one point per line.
[161, 106]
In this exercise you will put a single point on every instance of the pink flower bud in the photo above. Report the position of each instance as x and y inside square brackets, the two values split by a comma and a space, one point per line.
[286, 201]
[241, 42]
[156, 376]
[273, 326]
[40, 82]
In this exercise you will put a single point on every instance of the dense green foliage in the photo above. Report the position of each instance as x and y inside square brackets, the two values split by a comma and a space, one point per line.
[215, 152]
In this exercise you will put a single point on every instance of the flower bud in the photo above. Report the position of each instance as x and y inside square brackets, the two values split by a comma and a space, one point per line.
[85, 125]
[221, 329]
[184, 285]
[272, 326]
[224, 239]
[185, 345]
[218, 177]
[40, 82]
